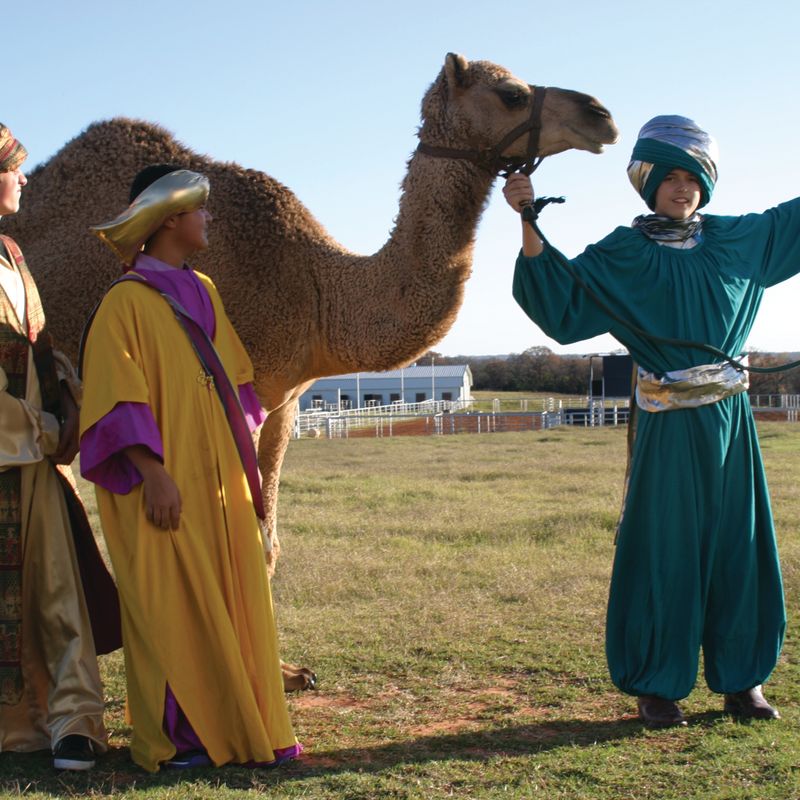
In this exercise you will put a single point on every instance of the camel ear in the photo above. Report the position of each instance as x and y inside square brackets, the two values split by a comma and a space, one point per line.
[451, 80]
[456, 68]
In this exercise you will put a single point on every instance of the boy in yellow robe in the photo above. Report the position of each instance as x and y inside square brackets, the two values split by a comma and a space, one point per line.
[177, 495]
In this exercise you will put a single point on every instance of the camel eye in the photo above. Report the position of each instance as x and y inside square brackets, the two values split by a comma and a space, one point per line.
[513, 98]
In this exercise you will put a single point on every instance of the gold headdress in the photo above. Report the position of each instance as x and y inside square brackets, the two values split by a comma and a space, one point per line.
[174, 193]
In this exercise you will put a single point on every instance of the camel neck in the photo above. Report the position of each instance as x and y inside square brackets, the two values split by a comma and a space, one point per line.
[412, 292]
[440, 207]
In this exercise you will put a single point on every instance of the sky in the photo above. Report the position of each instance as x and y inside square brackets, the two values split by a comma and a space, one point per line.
[325, 97]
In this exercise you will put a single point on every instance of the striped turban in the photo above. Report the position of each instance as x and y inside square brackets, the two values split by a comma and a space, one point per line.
[12, 153]
[669, 142]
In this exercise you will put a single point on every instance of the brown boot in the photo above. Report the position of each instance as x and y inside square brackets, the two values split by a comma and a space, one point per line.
[656, 712]
[750, 704]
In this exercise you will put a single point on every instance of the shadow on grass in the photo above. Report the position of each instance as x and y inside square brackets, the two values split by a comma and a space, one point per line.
[115, 772]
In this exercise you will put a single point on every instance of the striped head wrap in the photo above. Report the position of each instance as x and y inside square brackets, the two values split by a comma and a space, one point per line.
[12, 153]
[668, 142]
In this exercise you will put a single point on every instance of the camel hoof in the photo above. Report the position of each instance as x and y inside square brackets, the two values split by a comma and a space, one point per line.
[298, 679]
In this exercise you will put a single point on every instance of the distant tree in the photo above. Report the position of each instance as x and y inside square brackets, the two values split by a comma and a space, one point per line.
[492, 373]
[537, 369]
[784, 382]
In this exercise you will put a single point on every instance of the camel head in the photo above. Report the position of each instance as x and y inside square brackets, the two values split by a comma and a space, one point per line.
[474, 105]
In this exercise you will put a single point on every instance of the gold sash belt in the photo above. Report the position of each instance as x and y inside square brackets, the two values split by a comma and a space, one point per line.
[689, 388]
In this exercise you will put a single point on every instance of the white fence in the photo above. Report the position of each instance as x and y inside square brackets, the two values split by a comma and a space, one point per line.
[442, 417]
[775, 400]
[776, 406]
[329, 422]
[438, 418]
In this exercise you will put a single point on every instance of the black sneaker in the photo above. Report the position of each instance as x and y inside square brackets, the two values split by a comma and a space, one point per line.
[73, 752]
[189, 760]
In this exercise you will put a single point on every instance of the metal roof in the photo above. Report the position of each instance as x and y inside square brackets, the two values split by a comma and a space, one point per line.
[447, 371]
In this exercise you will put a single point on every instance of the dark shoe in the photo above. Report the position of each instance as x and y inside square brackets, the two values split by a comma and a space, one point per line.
[189, 759]
[73, 752]
[656, 712]
[750, 704]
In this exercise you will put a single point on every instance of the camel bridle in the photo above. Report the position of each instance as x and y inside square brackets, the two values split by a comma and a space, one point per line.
[493, 159]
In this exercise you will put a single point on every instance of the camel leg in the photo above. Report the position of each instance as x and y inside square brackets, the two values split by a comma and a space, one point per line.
[272, 445]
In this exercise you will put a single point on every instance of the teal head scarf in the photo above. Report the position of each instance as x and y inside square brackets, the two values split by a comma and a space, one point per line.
[667, 142]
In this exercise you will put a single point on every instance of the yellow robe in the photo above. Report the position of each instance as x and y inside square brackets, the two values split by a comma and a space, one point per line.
[196, 602]
[63, 694]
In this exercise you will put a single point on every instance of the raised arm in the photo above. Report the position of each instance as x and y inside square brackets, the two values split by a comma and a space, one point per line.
[782, 246]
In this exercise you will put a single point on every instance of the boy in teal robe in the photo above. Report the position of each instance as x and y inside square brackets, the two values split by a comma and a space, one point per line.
[696, 564]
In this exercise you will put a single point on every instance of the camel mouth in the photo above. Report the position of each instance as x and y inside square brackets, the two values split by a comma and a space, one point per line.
[593, 145]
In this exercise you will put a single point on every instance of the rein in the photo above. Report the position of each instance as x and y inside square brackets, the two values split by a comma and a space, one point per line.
[530, 214]
[493, 160]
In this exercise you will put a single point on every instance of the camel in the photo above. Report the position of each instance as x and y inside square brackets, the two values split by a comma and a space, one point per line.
[304, 306]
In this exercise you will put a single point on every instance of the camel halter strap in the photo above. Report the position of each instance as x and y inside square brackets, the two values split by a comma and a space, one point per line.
[493, 159]
[530, 213]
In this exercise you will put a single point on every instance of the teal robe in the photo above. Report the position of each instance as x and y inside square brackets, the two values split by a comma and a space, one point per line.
[696, 563]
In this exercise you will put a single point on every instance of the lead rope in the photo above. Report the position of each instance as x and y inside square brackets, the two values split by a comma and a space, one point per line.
[530, 214]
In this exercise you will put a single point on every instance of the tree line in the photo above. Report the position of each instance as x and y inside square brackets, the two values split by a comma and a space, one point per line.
[539, 369]
[785, 382]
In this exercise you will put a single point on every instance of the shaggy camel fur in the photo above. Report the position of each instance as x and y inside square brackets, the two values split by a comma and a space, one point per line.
[304, 306]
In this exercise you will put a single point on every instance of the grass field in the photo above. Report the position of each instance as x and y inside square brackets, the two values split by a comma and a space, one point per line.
[513, 401]
[450, 594]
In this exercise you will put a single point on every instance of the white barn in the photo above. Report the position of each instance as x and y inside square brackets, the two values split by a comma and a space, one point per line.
[406, 385]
